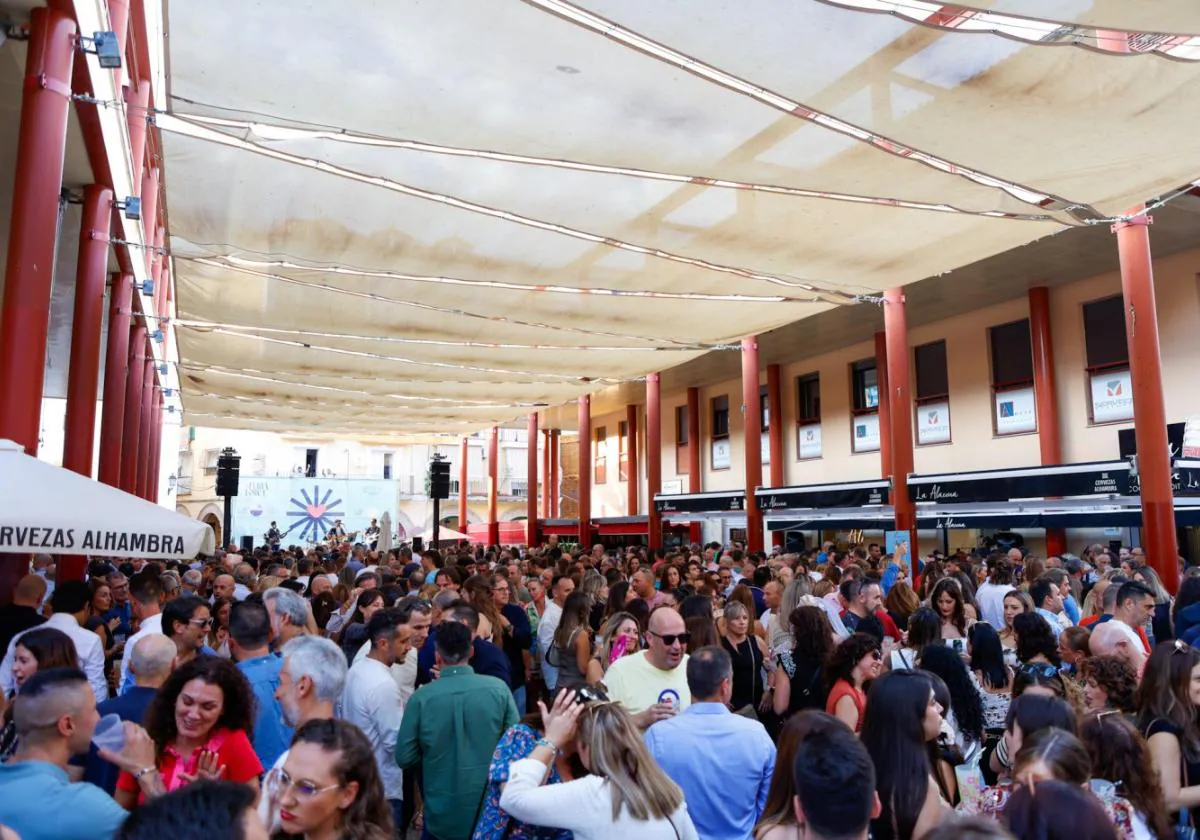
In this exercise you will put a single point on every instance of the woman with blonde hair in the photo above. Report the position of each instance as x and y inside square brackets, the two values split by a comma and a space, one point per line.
[779, 629]
[620, 636]
[741, 594]
[626, 794]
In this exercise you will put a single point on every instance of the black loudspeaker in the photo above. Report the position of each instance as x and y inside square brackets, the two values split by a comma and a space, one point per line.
[228, 468]
[439, 479]
[247, 544]
[418, 545]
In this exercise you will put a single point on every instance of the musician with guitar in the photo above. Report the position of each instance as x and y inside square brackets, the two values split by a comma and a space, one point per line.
[273, 537]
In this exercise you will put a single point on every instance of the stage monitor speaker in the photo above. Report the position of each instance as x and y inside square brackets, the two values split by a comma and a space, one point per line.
[247, 543]
[418, 545]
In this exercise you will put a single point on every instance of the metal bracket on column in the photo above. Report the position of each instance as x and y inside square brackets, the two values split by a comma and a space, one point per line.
[40, 81]
[1140, 220]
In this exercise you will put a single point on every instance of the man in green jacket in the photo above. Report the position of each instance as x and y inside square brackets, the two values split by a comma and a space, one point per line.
[450, 728]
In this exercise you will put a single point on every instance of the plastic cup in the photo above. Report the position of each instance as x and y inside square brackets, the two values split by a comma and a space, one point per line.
[110, 734]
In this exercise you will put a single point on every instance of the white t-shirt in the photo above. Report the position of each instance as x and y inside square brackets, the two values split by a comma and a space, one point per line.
[637, 685]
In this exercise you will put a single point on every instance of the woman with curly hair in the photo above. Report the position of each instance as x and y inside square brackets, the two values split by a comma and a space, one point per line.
[329, 786]
[796, 684]
[1036, 641]
[1108, 683]
[1121, 758]
[201, 722]
[855, 662]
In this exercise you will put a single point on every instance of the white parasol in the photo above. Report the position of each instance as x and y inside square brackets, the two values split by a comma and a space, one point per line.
[49, 510]
[385, 533]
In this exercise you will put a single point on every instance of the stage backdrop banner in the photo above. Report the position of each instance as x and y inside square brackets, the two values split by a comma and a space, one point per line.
[306, 508]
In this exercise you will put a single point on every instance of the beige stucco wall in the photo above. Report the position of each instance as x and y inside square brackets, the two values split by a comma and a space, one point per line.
[974, 444]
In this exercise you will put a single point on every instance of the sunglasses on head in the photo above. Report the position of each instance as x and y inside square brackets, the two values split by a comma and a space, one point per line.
[669, 639]
[1038, 669]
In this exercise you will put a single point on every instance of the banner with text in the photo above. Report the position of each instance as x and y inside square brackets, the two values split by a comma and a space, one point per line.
[305, 509]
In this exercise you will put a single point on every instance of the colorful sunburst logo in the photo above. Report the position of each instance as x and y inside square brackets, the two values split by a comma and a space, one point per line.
[314, 515]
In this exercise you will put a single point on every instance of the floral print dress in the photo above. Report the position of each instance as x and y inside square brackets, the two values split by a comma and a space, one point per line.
[495, 823]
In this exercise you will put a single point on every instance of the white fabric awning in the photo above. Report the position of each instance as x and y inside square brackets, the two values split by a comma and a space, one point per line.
[49, 510]
[391, 219]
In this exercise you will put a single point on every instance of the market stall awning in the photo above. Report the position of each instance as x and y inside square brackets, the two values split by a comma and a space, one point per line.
[1093, 478]
[49, 510]
[693, 507]
[391, 219]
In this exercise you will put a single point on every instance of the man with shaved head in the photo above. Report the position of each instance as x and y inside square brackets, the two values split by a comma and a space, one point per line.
[22, 614]
[1116, 638]
[151, 661]
[652, 684]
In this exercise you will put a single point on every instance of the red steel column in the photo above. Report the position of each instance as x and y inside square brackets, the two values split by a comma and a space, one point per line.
[555, 443]
[885, 405]
[752, 441]
[1046, 396]
[83, 375]
[33, 231]
[775, 433]
[531, 496]
[150, 215]
[131, 441]
[156, 428]
[493, 529]
[462, 487]
[116, 370]
[137, 103]
[146, 438]
[695, 477]
[653, 458]
[157, 265]
[1149, 409]
[585, 472]
[632, 473]
[546, 479]
[895, 325]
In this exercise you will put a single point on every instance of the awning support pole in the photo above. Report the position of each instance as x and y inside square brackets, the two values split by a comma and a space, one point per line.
[116, 371]
[493, 529]
[752, 441]
[130, 445]
[585, 472]
[555, 443]
[653, 458]
[146, 439]
[775, 434]
[463, 491]
[633, 476]
[531, 483]
[895, 326]
[33, 231]
[1046, 397]
[1149, 409]
[695, 477]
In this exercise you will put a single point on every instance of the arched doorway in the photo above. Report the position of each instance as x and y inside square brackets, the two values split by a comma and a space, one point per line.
[214, 522]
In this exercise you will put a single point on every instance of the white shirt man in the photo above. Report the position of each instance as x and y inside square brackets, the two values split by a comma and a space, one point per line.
[371, 699]
[562, 587]
[71, 604]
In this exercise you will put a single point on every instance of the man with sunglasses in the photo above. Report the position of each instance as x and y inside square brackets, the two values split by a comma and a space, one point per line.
[186, 622]
[652, 684]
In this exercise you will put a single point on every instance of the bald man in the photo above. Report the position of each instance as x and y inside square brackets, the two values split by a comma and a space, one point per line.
[1116, 638]
[652, 684]
[22, 614]
[150, 662]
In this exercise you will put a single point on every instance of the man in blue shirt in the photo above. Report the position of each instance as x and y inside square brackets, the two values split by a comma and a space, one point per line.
[487, 659]
[721, 760]
[249, 642]
[55, 715]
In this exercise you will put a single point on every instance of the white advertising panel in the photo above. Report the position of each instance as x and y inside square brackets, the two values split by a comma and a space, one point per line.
[865, 437]
[933, 422]
[1112, 397]
[1016, 411]
[721, 457]
[808, 442]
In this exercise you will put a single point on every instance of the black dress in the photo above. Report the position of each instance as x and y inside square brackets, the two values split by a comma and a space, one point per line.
[747, 672]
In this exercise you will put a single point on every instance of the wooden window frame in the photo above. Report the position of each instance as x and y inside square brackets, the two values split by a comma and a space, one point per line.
[600, 455]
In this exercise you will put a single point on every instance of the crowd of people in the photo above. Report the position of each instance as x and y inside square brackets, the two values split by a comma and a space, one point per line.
[693, 692]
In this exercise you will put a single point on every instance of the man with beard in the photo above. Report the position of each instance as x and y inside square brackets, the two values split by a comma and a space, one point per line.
[310, 683]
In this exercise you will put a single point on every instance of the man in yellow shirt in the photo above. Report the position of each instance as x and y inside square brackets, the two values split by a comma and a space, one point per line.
[652, 684]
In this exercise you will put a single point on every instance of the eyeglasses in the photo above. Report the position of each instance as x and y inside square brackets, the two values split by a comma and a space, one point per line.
[669, 639]
[304, 789]
[201, 622]
[1038, 669]
[877, 654]
[589, 694]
